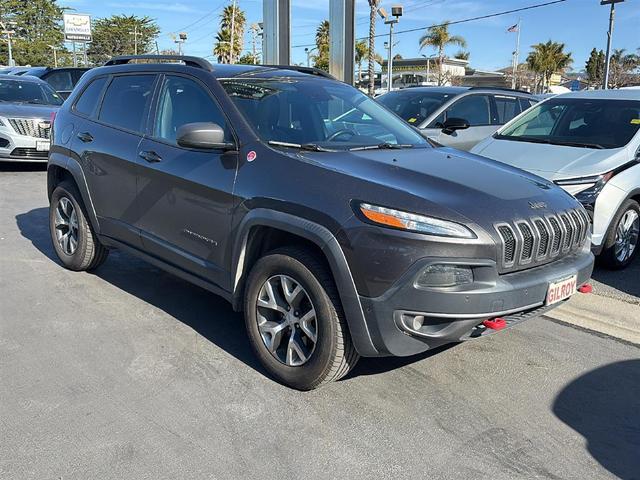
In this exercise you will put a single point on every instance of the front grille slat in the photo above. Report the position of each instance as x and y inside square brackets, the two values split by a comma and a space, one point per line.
[31, 127]
[537, 240]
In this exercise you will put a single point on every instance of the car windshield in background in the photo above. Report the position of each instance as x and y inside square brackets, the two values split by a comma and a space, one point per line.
[577, 122]
[414, 106]
[318, 114]
[16, 91]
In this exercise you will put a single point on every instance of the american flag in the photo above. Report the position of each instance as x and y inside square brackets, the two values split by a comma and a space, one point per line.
[513, 28]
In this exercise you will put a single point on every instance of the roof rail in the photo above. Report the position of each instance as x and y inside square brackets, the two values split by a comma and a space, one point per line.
[196, 62]
[504, 89]
[301, 69]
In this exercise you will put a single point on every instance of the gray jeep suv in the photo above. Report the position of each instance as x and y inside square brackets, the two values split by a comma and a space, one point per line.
[336, 228]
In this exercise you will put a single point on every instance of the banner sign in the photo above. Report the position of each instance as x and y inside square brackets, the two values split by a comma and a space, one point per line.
[77, 27]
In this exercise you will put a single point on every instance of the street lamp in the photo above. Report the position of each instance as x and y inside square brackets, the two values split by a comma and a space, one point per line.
[605, 83]
[55, 55]
[308, 52]
[396, 13]
[8, 33]
[429, 65]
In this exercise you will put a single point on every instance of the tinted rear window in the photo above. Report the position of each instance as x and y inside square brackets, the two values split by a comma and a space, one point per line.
[126, 101]
[414, 106]
[88, 101]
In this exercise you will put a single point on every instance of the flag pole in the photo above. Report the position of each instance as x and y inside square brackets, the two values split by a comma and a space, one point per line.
[516, 56]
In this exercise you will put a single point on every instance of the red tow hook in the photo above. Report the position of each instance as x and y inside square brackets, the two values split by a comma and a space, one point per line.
[495, 323]
[586, 288]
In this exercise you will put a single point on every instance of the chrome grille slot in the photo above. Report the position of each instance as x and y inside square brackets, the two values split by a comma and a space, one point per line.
[527, 245]
[537, 240]
[543, 231]
[31, 127]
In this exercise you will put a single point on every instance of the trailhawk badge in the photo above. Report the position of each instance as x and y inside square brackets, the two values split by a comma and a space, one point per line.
[537, 205]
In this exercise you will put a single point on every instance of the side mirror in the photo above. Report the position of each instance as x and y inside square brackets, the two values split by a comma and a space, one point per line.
[453, 124]
[203, 136]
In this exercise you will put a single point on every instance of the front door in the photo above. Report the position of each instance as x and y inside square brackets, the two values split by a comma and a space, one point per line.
[185, 195]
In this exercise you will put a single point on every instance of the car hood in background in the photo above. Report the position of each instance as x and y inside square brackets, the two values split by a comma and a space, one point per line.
[552, 161]
[26, 110]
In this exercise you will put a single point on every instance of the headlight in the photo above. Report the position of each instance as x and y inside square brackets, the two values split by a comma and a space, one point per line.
[585, 189]
[389, 217]
[441, 275]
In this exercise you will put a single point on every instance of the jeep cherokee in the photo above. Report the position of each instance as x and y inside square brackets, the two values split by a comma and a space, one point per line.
[334, 226]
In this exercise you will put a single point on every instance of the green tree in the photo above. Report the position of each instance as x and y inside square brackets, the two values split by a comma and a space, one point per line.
[122, 35]
[595, 67]
[321, 58]
[462, 55]
[38, 25]
[362, 51]
[546, 59]
[440, 38]
[232, 23]
[373, 11]
[622, 67]
[247, 59]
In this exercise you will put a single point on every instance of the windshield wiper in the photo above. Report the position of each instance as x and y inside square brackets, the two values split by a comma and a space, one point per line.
[382, 146]
[312, 147]
[578, 144]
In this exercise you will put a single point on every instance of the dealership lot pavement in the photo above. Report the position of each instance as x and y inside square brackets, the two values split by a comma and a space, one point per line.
[133, 373]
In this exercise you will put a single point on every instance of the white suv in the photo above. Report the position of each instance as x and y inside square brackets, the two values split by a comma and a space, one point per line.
[588, 143]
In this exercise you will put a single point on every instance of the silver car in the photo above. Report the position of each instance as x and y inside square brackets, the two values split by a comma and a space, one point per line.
[457, 117]
[26, 108]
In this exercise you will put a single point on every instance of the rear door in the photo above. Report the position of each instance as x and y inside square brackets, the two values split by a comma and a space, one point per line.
[185, 196]
[477, 110]
[107, 137]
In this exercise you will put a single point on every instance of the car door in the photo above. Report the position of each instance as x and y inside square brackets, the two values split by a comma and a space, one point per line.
[185, 195]
[476, 109]
[107, 136]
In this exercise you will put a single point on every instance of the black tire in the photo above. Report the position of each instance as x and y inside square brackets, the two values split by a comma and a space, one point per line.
[608, 257]
[89, 253]
[334, 354]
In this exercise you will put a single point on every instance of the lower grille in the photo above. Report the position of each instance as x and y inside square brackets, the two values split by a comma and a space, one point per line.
[31, 127]
[28, 153]
[539, 239]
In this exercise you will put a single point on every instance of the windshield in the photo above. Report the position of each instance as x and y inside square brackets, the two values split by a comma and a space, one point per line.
[414, 106]
[317, 112]
[577, 122]
[17, 91]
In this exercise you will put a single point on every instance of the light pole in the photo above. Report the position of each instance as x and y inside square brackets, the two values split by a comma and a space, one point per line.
[428, 65]
[308, 52]
[396, 13]
[55, 55]
[135, 39]
[8, 33]
[605, 83]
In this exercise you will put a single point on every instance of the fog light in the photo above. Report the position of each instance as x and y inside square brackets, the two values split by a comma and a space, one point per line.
[417, 322]
[444, 276]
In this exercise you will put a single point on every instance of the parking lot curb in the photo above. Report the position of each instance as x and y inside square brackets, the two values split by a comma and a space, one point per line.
[604, 315]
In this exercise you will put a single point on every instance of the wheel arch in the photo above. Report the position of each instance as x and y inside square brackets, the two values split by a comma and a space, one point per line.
[262, 230]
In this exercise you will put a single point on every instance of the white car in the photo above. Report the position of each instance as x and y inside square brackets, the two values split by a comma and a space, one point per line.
[589, 143]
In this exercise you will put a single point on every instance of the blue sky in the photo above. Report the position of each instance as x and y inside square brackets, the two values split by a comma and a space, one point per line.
[580, 24]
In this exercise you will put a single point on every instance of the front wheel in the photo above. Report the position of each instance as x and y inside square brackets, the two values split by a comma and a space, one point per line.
[621, 243]
[294, 320]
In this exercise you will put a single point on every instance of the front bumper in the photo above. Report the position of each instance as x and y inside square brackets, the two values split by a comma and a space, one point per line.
[20, 148]
[452, 314]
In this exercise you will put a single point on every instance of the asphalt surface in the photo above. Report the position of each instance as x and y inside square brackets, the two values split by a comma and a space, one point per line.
[133, 373]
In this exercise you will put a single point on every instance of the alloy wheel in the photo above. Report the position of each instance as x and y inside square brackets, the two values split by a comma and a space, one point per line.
[66, 226]
[286, 320]
[627, 235]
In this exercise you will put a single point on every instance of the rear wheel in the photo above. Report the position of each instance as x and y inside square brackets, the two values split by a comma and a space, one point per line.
[74, 240]
[621, 243]
[294, 320]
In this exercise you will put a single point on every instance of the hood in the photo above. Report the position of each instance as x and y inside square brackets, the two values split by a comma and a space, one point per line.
[553, 161]
[21, 110]
[447, 183]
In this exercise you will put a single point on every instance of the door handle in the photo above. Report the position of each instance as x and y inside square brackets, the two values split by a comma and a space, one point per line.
[151, 157]
[86, 137]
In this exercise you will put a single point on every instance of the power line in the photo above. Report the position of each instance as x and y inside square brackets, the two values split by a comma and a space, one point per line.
[455, 22]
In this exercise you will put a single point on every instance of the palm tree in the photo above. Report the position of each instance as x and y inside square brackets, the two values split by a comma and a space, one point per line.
[546, 59]
[439, 38]
[223, 49]
[362, 51]
[321, 59]
[373, 6]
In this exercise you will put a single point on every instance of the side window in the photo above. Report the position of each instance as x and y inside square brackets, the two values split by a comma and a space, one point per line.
[60, 80]
[475, 109]
[126, 101]
[526, 103]
[88, 101]
[183, 101]
[77, 74]
[506, 109]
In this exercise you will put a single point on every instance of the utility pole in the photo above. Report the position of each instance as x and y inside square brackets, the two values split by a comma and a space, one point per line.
[605, 83]
[135, 38]
[255, 33]
[8, 33]
[233, 27]
[516, 56]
